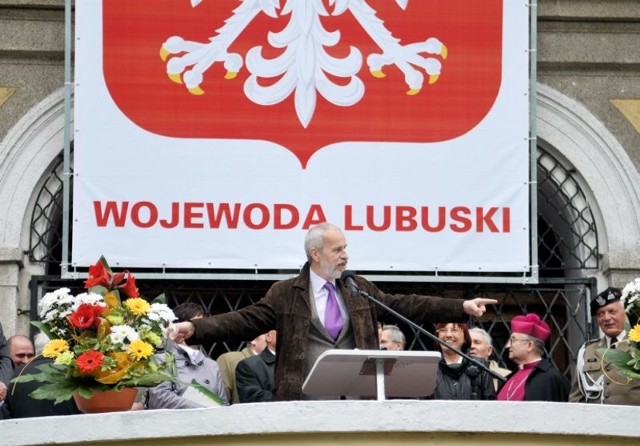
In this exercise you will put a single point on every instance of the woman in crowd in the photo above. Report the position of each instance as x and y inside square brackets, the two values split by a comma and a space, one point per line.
[458, 378]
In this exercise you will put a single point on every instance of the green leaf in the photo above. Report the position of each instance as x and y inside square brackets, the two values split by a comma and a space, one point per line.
[622, 360]
[43, 328]
[148, 380]
[160, 299]
[58, 392]
[616, 356]
[26, 379]
[48, 373]
[98, 289]
[103, 260]
[206, 392]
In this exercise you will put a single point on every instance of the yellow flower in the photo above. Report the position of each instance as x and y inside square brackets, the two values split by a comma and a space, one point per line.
[118, 371]
[634, 333]
[54, 348]
[141, 349]
[111, 300]
[138, 306]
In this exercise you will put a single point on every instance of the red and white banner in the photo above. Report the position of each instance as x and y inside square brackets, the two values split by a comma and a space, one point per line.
[214, 133]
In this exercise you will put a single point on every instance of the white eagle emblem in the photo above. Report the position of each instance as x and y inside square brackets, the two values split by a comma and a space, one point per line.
[304, 67]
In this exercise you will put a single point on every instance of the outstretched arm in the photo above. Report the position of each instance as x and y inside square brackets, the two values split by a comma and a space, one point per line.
[478, 306]
[181, 331]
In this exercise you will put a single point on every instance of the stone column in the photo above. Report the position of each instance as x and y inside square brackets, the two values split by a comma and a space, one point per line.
[10, 266]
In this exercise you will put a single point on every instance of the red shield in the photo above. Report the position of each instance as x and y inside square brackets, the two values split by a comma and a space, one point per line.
[464, 93]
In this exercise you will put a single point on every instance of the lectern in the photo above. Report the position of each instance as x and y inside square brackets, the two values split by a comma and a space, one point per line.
[373, 373]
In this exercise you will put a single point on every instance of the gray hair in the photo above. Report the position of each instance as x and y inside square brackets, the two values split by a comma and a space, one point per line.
[395, 334]
[482, 332]
[315, 237]
[538, 344]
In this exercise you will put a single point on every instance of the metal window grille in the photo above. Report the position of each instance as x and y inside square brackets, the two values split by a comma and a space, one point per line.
[567, 247]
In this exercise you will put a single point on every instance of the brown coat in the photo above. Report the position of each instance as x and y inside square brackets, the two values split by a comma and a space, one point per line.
[287, 308]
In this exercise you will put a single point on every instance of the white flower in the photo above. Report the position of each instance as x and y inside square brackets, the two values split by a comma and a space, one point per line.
[631, 295]
[55, 299]
[161, 313]
[88, 298]
[120, 333]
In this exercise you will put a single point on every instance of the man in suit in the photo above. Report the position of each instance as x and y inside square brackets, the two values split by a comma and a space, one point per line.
[19, 404]
[229, 361]
[315, 312]
[596, 380]
[482, 347]
[254, 375]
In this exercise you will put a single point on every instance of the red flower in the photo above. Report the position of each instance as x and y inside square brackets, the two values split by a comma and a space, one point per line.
[118, 278]
[98, 275]
[86, 315]
[129, 288]
[90, 361]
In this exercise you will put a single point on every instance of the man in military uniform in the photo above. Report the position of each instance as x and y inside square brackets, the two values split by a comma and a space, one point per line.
[597, 381]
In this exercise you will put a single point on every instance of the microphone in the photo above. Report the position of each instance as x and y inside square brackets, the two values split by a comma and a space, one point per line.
[348, 277]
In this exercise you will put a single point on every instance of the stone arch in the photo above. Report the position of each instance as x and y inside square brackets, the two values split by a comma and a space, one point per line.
[27, 154]
[609, 178]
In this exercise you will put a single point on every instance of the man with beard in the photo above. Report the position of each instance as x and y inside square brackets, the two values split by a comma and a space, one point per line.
[315, 312]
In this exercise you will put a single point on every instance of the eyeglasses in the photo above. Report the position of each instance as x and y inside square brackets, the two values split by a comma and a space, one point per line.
[450, 330]
[513, 339]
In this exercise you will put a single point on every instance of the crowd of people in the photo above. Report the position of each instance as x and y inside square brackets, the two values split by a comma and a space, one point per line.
[320, 309]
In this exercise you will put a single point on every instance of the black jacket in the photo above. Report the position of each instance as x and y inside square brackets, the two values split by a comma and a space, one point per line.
[464, 381]
[6, 365]
[546, 384]
[254, 377]
[20, 405]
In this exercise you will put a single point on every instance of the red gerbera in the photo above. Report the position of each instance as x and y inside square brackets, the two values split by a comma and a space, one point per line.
[86, 315]
[90, 361]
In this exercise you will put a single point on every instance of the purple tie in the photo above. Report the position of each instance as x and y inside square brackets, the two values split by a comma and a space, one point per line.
[332, 316]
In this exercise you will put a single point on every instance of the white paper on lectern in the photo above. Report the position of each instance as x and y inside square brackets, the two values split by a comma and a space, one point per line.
[340, 373]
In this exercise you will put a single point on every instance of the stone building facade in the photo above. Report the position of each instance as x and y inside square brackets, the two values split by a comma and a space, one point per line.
[587, 119]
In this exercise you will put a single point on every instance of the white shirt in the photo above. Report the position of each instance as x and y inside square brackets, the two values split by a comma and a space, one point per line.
[320, 295]
[622, 335]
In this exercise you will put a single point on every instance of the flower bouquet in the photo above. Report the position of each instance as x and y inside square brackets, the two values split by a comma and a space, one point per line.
[103, 339]
[628, 362]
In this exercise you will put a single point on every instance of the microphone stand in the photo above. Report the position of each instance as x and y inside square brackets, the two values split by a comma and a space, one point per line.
[354, 288]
